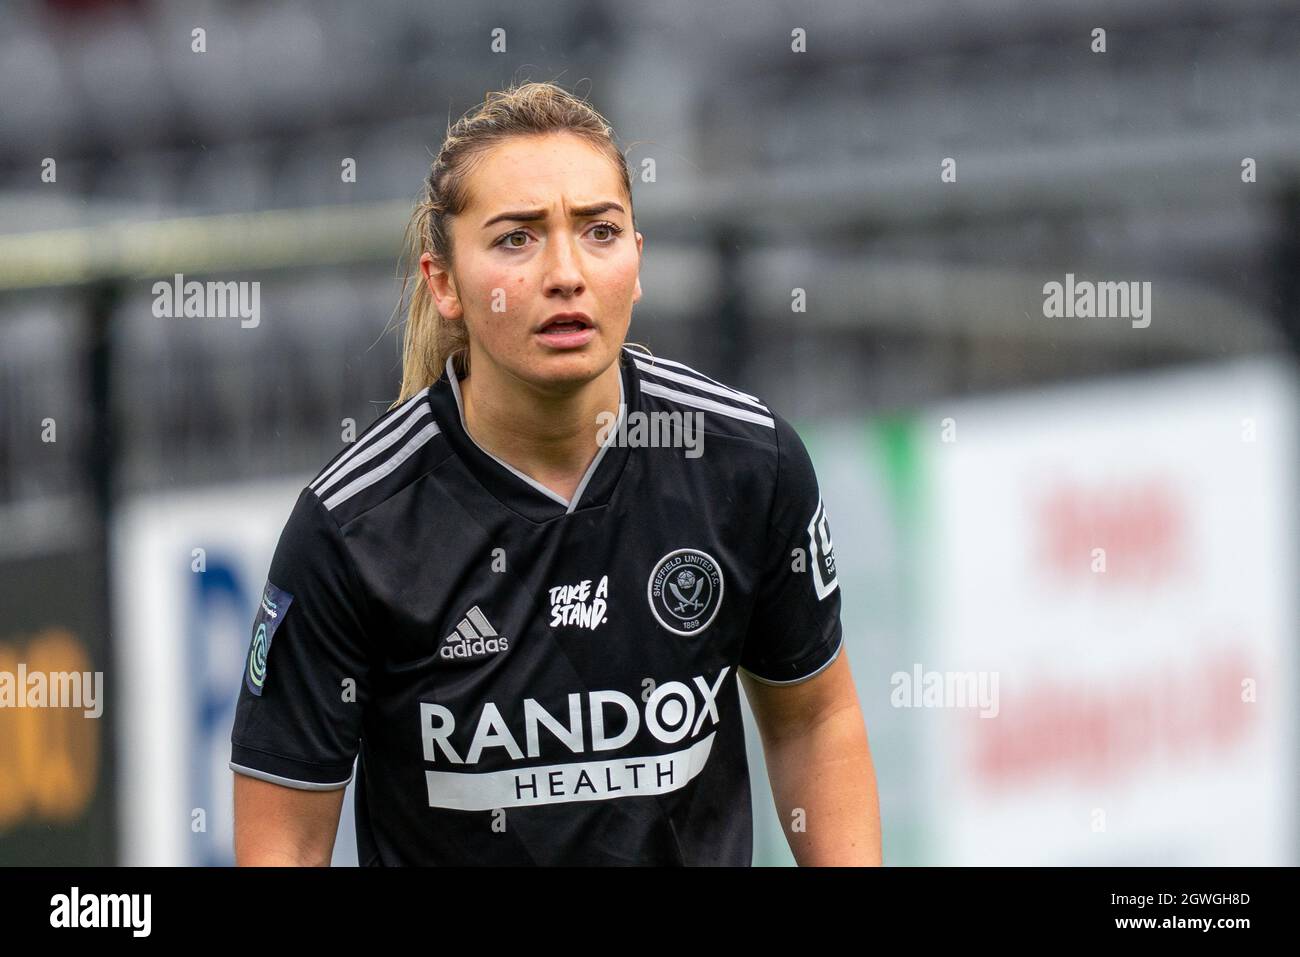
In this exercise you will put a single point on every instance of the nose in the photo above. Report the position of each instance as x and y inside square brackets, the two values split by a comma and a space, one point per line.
[563, 270]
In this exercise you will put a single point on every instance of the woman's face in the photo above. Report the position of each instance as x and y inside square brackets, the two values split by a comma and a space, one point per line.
[547, 230]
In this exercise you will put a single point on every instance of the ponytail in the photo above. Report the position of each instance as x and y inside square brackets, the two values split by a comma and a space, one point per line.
[429, 339]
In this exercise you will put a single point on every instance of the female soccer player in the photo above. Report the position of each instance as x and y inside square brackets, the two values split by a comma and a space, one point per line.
[522, 599]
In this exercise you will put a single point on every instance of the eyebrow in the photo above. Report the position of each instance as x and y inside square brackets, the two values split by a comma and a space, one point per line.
[532, 215]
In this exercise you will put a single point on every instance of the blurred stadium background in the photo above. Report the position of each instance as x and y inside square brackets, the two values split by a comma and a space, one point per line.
[1100, 515]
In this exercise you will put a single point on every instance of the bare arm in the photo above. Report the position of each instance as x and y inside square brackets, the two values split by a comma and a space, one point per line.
[282, 826]
[818, 760]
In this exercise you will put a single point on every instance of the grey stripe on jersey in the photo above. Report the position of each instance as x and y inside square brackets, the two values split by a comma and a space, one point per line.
[290, 782]
[699, 402]
[370, 434]
[701, 384]
[794, 681]
[654, 361]
[367, 479]
[376, 447]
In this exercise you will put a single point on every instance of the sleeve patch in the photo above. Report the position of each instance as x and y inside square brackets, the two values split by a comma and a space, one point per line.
[821, 553]
[270, 612]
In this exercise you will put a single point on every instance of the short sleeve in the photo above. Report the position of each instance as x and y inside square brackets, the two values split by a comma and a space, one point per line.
[795, 630]
[306, 676]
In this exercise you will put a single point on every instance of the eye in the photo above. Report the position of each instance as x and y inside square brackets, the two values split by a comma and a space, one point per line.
[610, 227]
[508, 239]
[505, 240]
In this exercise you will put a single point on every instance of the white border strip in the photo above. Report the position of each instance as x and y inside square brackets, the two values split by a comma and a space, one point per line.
[707, 404]
[290, 782]
[569, 504]
[371, 434]
[655, 360]
[609, 440]
[388, 440]
[375, 474]
[721, 390]
[795, 681]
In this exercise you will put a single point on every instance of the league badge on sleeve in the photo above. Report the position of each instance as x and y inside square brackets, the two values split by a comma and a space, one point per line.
[275, 602]
[821, 553]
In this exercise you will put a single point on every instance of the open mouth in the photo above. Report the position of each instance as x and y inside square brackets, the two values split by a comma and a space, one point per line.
[563, 324]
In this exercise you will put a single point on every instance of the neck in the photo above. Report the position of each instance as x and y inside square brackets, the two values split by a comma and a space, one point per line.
[548, 434]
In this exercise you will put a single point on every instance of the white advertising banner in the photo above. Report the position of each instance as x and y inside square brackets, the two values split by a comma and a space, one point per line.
[1110, 579]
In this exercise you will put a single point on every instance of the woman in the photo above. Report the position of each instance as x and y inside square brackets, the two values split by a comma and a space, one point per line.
[519, 608]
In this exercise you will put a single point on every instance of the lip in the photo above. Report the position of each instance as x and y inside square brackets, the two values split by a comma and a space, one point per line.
[557, 317]
[570, 339]
[567, 340]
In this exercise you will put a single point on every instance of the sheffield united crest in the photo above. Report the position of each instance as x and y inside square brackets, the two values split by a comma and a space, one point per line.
[685, 591]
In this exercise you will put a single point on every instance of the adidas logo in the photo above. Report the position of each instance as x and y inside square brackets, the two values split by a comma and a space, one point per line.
[474, 637]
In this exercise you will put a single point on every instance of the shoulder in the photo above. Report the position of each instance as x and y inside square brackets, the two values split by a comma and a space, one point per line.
[385, 457]
[721, 409]
[758, 439]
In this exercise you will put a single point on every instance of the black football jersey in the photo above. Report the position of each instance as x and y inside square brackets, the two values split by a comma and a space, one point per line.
[520, 679]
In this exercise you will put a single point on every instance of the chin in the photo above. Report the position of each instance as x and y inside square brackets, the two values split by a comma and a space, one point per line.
[578, 365]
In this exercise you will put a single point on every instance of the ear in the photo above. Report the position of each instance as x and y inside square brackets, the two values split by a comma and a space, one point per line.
[636, 296]
[442, 286]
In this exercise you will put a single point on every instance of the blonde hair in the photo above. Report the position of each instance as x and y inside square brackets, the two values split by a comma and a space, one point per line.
[530, 109]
